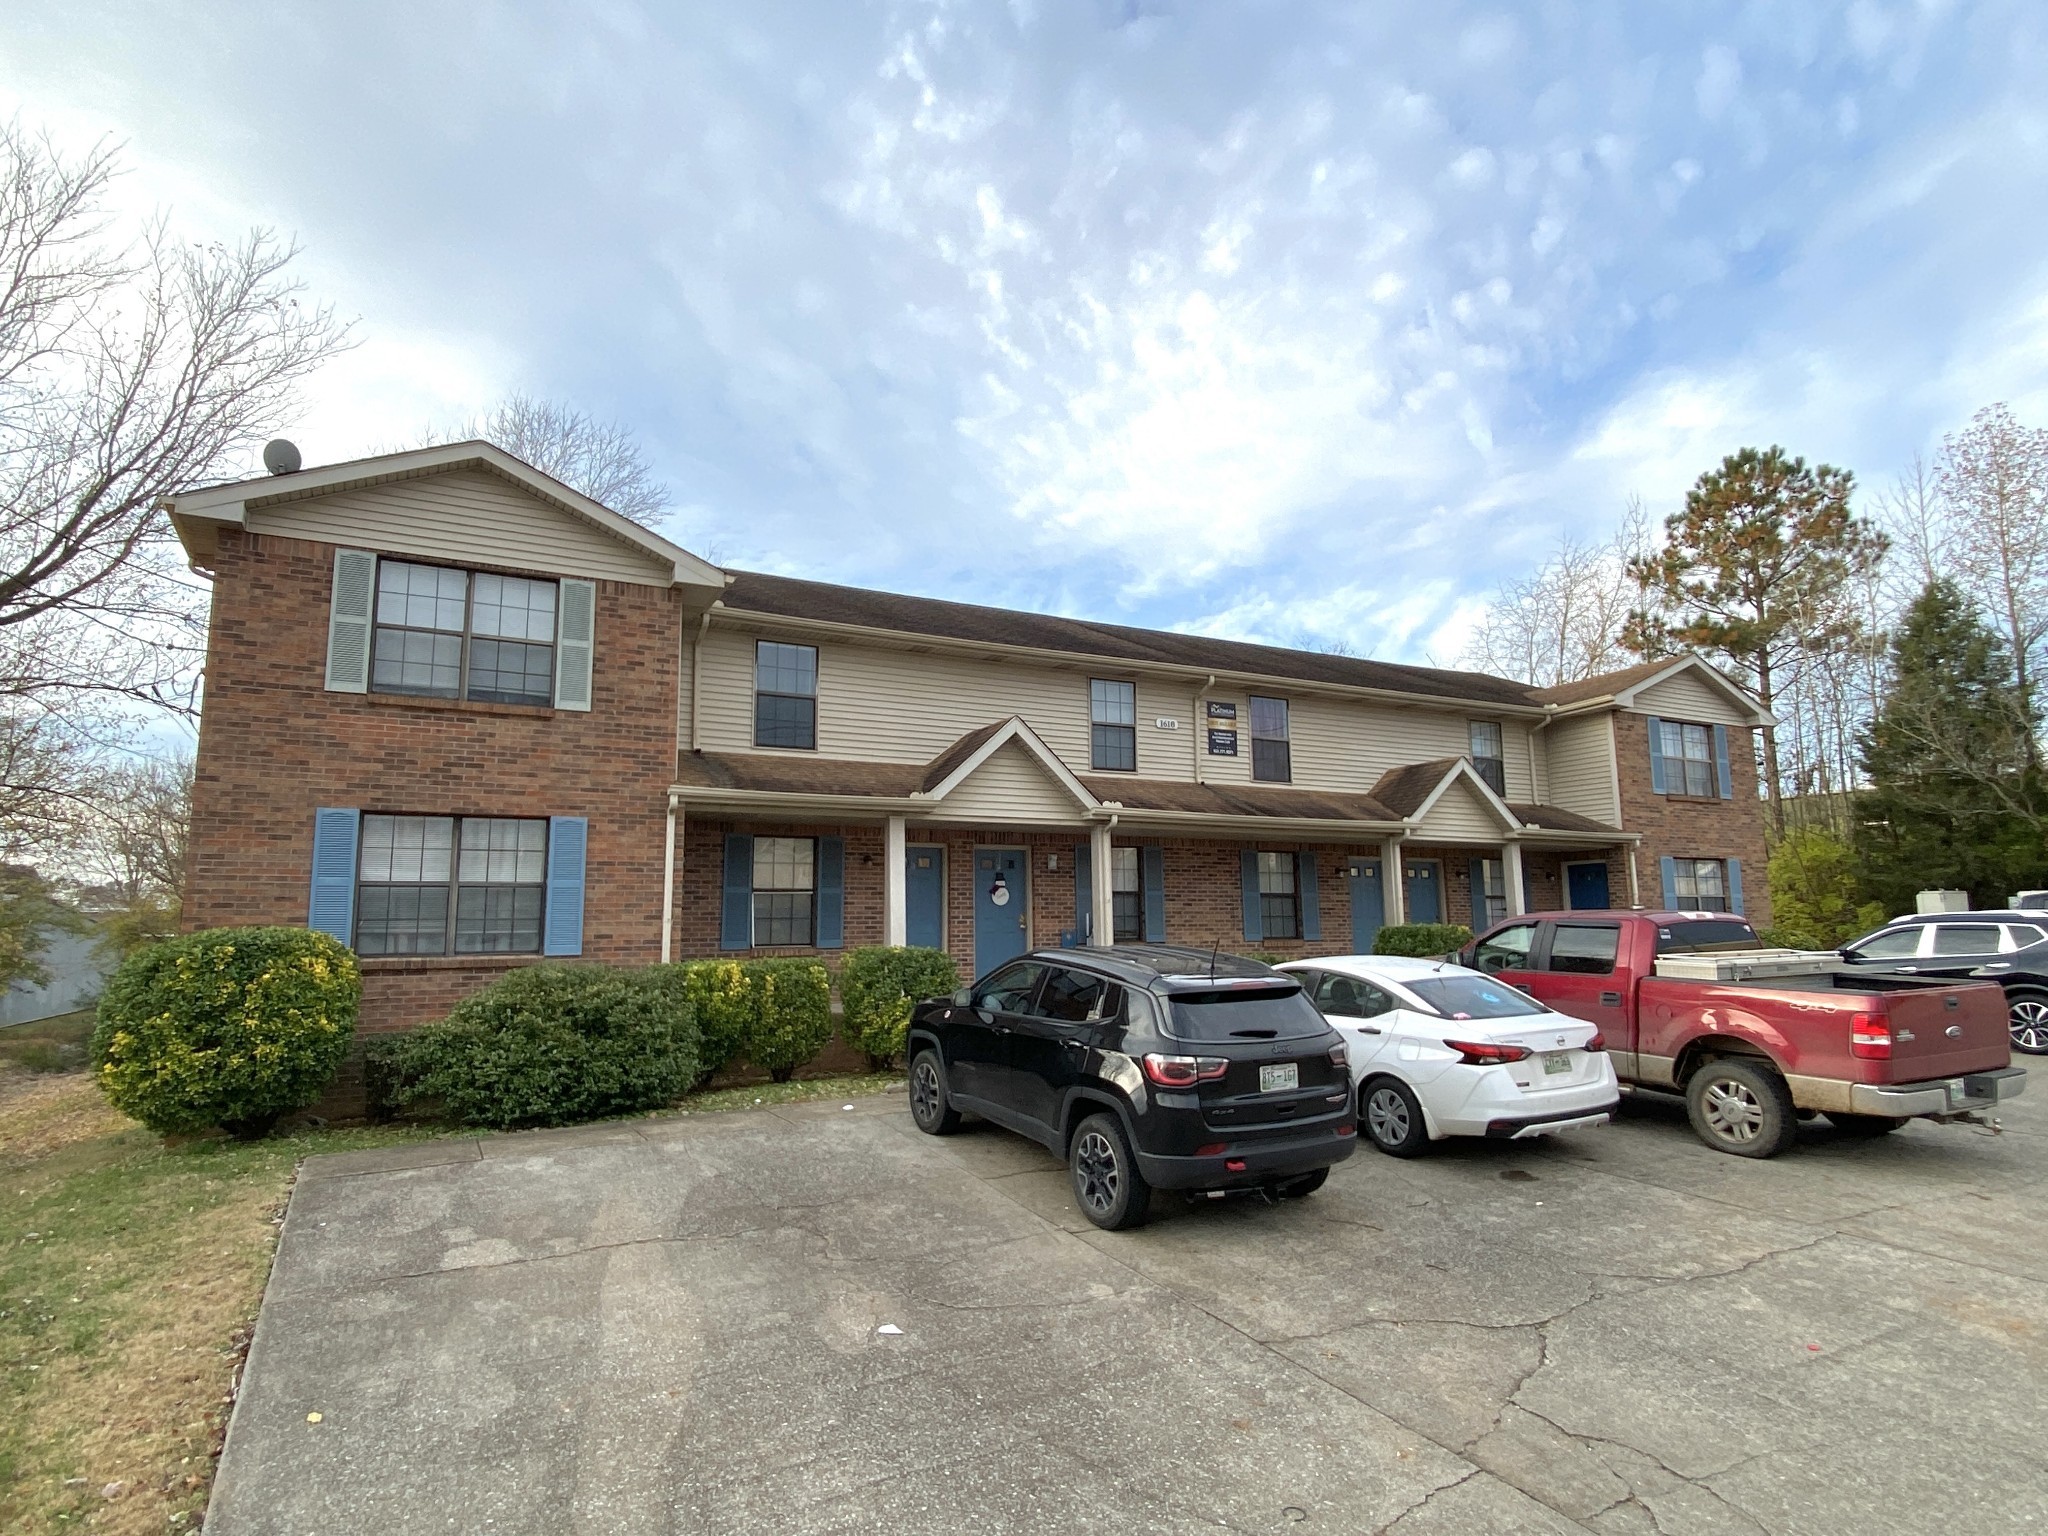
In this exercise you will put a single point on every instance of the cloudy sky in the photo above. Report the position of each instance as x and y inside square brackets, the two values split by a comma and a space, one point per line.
[1290, 321]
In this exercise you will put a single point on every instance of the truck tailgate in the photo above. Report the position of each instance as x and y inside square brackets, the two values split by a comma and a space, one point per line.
[1946, 1032]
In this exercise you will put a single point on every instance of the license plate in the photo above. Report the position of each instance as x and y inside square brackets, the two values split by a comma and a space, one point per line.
[1555, 1062]
[1280, 1079]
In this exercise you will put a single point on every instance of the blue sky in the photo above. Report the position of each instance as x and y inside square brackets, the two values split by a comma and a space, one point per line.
[1279, 320]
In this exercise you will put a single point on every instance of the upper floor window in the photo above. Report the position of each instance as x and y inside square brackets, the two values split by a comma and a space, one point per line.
[1113, 725]
[1272, 757]
[1126, 896]
[435, 885]
[1489, 754]
[1279, 896]
[785, 696]
[1688, 752]
[452, 634]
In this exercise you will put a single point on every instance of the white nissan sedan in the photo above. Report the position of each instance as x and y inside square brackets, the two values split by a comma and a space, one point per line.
[1438, 1050]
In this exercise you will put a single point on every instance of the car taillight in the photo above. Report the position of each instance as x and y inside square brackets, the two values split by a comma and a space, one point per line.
[1597, 1043]
[1340, 1056]
[1184, 1071]
[1484, 1053]
[1870, 1037]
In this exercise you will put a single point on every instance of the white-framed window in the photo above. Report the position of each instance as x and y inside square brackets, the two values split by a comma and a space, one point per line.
[1688, 752]
[1279, 896]
[453, 634]
[1112, 725]
[416, 873]
[785, 890]
[1272, 753]
[785, 695]
[1126, 895]
[1489, 753]
[1701, 885]
[1490, 900]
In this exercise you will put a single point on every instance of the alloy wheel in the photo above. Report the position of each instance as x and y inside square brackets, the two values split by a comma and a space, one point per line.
[1733, 1112]
[1386, 1114]
[1096, 1173]
[925, 1092]
[2030, 1025]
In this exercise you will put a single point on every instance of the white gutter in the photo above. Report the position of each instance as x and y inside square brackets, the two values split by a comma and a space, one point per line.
[1198, 727]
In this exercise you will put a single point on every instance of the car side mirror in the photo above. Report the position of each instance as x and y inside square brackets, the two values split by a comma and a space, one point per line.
[964, 998]
[1464, 956]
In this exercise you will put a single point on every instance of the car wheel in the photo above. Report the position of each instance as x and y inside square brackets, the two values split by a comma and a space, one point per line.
[931, 1107]
[1862, 1125]
[1741, 1107]
[2029, 1021]
[1303, 1187]
[1111, 1191]
[1392, 1116]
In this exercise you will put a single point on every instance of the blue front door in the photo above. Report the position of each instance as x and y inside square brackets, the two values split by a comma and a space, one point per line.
[1001, 898]
[924, 896]
[1368, 903]
[1423, 882]
[1586, 887]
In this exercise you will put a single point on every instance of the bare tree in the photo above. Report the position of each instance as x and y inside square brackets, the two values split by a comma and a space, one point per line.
[127, 373]
[1993, 537]
[1563, 621]
[599, 458]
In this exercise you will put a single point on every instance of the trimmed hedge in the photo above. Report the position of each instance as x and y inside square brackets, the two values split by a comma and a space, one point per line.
[792, 1014]
[878, 987]
[234, 1027]
[722, 993]
[1424, 941]
[554, 1045]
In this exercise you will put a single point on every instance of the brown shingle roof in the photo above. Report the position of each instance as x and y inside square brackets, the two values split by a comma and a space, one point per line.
[1406, 787]
[1236, 799]
[797, 775]
[958, 753]
[1554, 818]
[1599, 687]
[755, 592]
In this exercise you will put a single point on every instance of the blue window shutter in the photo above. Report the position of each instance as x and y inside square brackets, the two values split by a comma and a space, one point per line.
[1084, 893]
[1254, 922]
[1735, 885]
[1478, 879]
[568, 847]
[333, 907]
[1667, 867]
[1153, 858]
[1309, 897]
[1656, 756]
[831, 893]
[736, 919]
[1721, 762]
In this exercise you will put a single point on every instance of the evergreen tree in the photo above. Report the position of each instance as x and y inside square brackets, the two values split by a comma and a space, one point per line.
[1956, 801]
[1756, 568]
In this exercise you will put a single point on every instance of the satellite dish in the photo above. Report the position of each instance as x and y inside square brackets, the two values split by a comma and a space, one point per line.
[281, 457]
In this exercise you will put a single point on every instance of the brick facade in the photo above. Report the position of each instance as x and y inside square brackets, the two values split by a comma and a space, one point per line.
[275, 745]
[1686, 827]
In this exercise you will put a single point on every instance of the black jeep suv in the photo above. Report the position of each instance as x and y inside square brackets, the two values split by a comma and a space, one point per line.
[1145, 1067]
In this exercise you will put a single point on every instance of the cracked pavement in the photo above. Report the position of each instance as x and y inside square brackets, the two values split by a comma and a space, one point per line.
[671, 1325]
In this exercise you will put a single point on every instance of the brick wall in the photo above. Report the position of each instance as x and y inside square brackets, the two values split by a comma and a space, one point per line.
[1682, 827]
[274, 745]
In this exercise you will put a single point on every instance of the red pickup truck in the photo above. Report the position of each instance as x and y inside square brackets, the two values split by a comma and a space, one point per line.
[1750, 1055]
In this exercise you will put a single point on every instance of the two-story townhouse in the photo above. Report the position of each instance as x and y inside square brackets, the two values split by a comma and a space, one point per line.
[463, 717]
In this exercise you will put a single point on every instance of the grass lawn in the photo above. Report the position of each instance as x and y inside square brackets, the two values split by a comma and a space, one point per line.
[48, 1045]
[130, 1274]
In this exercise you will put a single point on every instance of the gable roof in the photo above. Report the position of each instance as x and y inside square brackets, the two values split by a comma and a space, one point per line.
[231, 503]
[824, 603]
[1621, 688]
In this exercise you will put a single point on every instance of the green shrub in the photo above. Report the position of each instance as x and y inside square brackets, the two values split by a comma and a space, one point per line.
[235, 1027]
[555, 1044]
[792, 1014]
[1425, 941]
[722, 993]
[878, 986]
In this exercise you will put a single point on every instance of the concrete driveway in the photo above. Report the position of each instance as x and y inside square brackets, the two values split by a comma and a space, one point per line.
[672, 1325]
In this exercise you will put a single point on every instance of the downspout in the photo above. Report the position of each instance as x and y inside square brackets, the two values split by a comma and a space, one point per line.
[1198, 727]
[1542, 794]
[697, 677]
[668, 880]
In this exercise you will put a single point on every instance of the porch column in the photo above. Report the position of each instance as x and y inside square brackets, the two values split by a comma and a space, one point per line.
[1511, 877]
[1393, 887]
[1101, 896]
[895, 900]
[668, 877]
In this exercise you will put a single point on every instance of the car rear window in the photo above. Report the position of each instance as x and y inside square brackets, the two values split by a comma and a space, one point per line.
[1706, 934]
[1274, 1014]
[1474, 997]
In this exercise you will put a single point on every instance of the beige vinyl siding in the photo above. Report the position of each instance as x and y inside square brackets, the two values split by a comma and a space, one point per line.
[1339, 744]
[1012, 788]
[1688, 697]
[1582, 767]
[465, 516]
[1461, 816]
